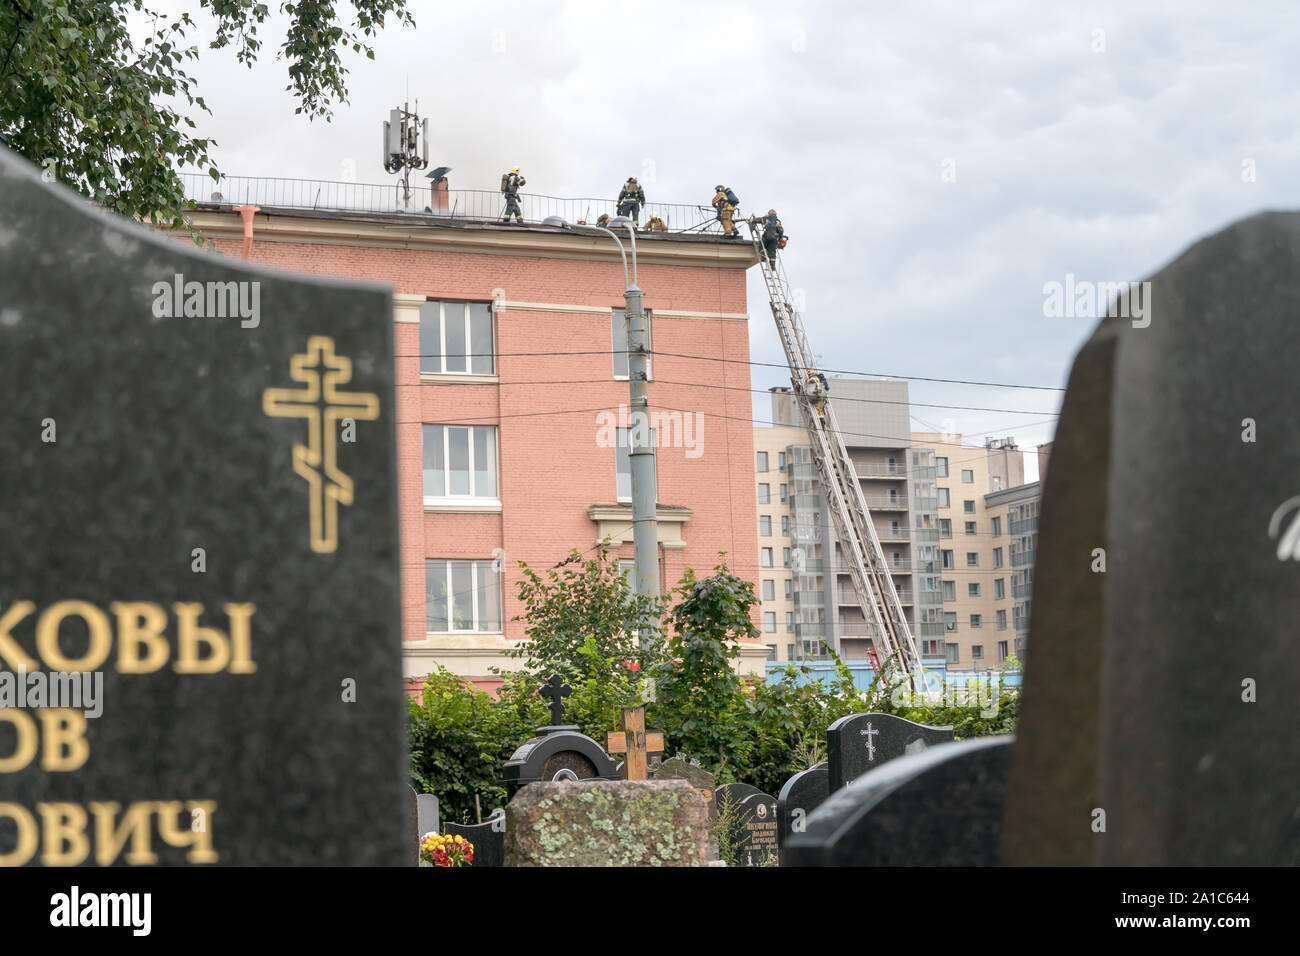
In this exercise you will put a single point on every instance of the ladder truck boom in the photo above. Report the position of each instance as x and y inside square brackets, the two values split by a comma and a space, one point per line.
[863, 556]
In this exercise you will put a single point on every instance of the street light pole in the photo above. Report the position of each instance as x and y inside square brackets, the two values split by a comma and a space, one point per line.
[641, 450]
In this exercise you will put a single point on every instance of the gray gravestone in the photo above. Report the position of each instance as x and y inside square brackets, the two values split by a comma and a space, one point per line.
[675, 768]
[427, 813]
[175, 461]
[940, 807]
[801, 795]
[861, 742]
[489, 839]
[1177, 456]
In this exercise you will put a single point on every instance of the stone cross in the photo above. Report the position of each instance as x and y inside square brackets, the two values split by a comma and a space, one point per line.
[556, 689]
[871, 749]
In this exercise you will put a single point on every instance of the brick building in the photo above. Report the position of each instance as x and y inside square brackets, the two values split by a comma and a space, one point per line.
[512, 394]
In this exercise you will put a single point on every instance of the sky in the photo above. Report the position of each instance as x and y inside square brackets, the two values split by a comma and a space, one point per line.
[935, 164]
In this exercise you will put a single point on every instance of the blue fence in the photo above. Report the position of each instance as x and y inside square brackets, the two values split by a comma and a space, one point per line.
[936, 674]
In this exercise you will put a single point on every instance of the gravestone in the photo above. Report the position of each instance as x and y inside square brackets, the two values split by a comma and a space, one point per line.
[1162, 694]
[198, 514]
[488, 837]
[427, 813]
[756, 828]
[558, 752]
[677, 768]
[861, 742]
[801, 795]
[413, 832]
[939, 807]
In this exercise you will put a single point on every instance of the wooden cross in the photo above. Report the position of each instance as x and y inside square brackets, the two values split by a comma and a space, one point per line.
[556, 689]
[635, 742]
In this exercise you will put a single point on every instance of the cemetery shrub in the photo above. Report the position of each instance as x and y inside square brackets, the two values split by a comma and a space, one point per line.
[582, 620]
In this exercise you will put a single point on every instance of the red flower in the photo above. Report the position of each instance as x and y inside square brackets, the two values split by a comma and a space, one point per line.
[632, 665]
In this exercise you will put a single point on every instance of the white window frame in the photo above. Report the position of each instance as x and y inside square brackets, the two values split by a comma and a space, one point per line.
[442, 373]
[622, 438]
[470, 500]
[474, 564]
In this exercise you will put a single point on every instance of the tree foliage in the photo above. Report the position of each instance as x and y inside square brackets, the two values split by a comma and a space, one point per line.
[108, 113]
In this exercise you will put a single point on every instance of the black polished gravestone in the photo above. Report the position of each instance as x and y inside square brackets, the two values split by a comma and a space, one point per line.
[756, 841]
[861, 742]
[801, 795]
[940, 807]
[197, 506]
[558, 752]
[489, 839]
[1162, 686]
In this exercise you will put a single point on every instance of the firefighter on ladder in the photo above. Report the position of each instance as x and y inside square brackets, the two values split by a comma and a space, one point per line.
[818, 391]
[773, 236]
[511, 183]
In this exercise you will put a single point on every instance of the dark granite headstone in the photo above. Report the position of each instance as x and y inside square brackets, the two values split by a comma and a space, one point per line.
[558, 755]
[756, 841]
[940, 807]
[861, 742]
[801, 795]
[191, 443]
[489, 839]
[1162, 695]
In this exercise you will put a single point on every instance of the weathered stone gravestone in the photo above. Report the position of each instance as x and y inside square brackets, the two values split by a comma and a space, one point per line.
[801, 795]
[861, 742]
[1162, 688]
[676, 768]
[940, 807]
[488, 837]
[558, 752]
[607, 823]
[199, 522]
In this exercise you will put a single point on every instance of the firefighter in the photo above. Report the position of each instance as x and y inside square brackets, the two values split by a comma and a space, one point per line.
[818, 391]
[722, 202]
[773, 236]
[511, 183]
[656, 225]
[602, 219]
[630, 199]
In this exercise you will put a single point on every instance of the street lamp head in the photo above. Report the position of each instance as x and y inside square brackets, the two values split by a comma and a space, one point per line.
[559, 222]
[620, 221]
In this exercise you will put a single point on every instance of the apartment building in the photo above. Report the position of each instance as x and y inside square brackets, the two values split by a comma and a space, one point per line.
[511, 402]
[1018, 509]
[783, 544]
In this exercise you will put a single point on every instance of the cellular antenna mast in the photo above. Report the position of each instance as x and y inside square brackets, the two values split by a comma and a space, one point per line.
[406, 146]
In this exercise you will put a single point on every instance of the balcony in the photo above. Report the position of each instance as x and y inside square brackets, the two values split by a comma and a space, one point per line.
[869, 470]
[886, 503]
[1023, 526]
[1021, 591]
[850, 596]
[893, 534]
[1023, 559]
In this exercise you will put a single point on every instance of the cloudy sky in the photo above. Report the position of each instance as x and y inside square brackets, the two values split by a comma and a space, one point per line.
[935, 164]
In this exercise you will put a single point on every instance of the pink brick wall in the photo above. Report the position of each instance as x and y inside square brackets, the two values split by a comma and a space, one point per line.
[551, 468]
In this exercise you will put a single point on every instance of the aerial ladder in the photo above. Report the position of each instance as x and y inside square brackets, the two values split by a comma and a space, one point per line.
[863, 556]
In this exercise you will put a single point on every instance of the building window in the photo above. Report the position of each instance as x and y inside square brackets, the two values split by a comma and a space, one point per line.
[953, 654]
[999, 588]
[769, 622]
[769, 589]
[893, 529]
[931, 648]
[995, 526]
[765, 526]
[1002, 651]
[950, 590]
[456, 337]
[941, 467]
[973, 589]
[945, 501]
[628, 569]
[764, 494]
[460, 461]
[977, 652]
[997, 483]
[947, 561]
[785, 524]
[762, 462]
[997, 557]
[619, 347]
[968, 506]
[1002, 619]
[789, 620]
[976, 620]
[967, 476]
[789, 589]
[950, 621]
[785, 557]
[462, 596]
[972, 559]
[765, 557]
[623, 464]
[945, 527]
[970, 527]
[784, 495]
[780, 460]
